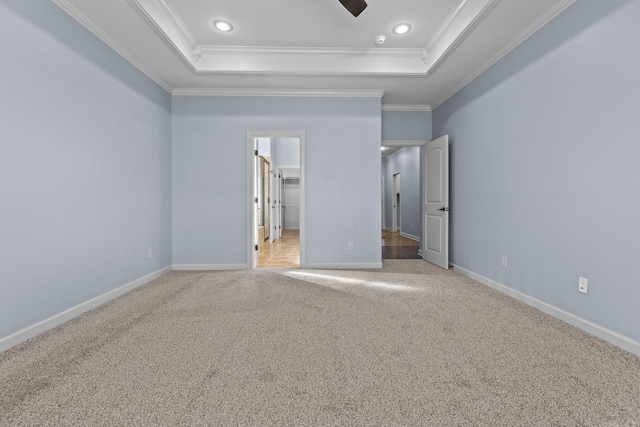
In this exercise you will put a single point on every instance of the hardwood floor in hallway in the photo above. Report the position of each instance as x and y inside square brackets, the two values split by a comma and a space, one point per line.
[285, 252]
[397, 246]
[281, 253]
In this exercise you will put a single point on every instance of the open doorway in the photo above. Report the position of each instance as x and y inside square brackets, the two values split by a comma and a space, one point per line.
[276, 199]
[401, 230]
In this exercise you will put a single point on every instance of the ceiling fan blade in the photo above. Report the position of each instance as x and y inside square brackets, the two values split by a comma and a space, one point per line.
[354, 6]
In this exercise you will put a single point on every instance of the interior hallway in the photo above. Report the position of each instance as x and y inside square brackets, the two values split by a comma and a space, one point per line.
[281, 253]
[285, 252]
[396, 246]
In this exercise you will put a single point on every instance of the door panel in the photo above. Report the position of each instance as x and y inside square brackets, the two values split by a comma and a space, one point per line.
[434, 157]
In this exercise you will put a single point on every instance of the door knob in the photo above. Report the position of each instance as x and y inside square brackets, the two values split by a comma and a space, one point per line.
[444, 209]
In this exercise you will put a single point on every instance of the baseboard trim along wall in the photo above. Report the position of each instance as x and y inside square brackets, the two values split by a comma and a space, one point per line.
[208, 267]
[410, 236]
[344, 266]
[614, 338]
[60, 318]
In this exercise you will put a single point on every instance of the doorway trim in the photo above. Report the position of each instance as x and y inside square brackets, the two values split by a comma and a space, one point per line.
[252, 237]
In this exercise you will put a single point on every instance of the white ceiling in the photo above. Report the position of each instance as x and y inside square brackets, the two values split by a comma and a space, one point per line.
[315, 47]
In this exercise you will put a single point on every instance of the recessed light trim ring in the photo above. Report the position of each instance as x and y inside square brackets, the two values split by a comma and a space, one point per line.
[403, 28]
[222, 25]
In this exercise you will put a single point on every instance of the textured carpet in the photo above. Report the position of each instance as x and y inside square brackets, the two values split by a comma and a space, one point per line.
[408, 345]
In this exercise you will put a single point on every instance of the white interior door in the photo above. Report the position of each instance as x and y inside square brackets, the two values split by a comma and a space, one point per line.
[273, 235]
[279, 206]
[434, 159]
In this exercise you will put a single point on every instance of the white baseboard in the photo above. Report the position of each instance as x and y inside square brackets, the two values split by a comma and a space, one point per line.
[344, 266]
[410, 236]
[208, 267]
[60, 318]
[614, 338]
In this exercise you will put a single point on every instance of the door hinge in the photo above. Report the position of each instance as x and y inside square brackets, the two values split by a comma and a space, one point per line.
[255, 152]
[255, 200]
[255, 247]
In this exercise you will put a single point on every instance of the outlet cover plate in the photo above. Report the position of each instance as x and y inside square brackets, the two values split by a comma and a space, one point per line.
[583, 285]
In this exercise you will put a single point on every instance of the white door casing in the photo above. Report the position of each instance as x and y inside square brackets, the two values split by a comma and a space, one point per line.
[252, 221]
[434, 159]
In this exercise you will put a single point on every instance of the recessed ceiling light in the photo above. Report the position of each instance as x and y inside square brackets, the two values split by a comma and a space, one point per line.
[223, 25]
[401, 28]
[383, 148]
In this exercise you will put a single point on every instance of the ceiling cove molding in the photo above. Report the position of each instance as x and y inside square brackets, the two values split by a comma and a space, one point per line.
[403, 142]
[165, 22]
[403, 107]
[113, 44]
[455, 28]
[310, 61]
[315, 93]
[202, 59]
[525, 34]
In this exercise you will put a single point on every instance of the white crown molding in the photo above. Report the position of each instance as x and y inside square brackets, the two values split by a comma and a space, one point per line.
[403, 142]
[310, 93]
[394, 154]
[258, 60]
[113, 44]
[455, 28]
[446, 24]
[164, 21]
[179, 22]
[319, 61]
[521, 37]
[405, 108]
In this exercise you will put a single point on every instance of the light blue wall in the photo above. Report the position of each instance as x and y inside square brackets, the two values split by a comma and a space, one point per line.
[210, 176]
[287, 151]
[545, 155]
[85, 178]
[412, 125]
[407, 163]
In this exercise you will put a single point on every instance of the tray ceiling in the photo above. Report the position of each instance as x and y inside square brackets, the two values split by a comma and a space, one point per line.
[315, 47]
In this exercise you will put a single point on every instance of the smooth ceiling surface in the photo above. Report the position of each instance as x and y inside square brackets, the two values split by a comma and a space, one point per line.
[311, 23]
[315, 47]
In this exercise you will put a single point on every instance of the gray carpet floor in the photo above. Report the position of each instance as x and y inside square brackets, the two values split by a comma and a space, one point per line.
[408, 345]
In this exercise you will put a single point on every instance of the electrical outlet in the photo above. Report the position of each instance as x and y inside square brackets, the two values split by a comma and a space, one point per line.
[149, 253]
[350, 245]
[583, 285]
[504, 261]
